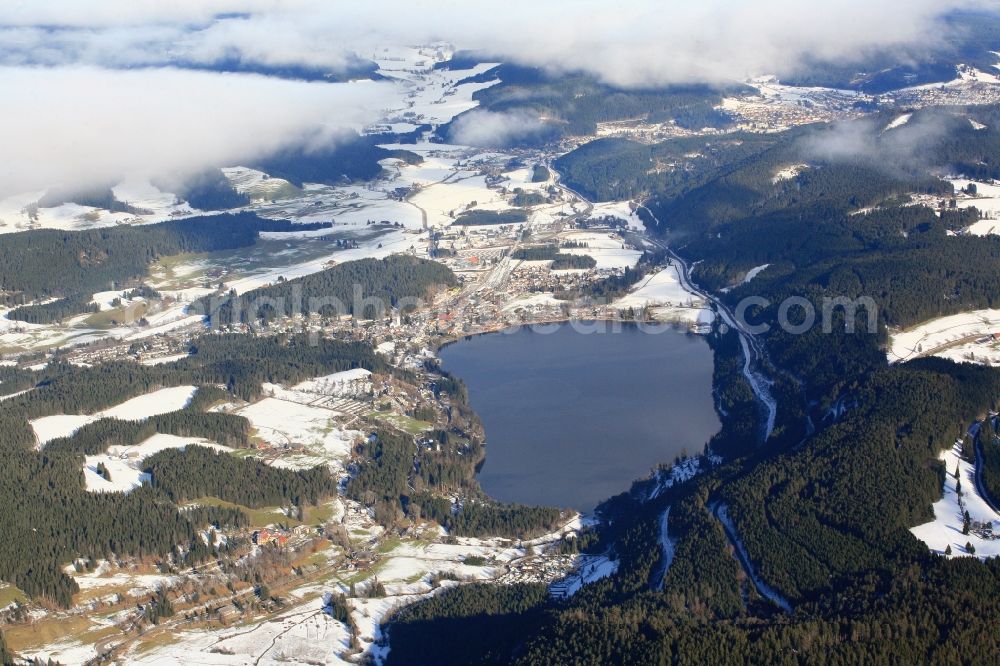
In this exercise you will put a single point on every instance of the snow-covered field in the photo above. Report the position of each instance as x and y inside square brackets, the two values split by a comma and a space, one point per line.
[77, 331]
[621, 210]
[104, 576]
[972, 352]
[303, 635]
[899, 121]
[283, 423]
[788, 173]
[588, 569]
[161, 360]
[770, 88]
[338, 383]
[431, 95]
[934, 334]
[445, 201]
[754, 272]
[378, 248]
[522, 178]
[668, 299]
[606, 249]
[258, 185]
[159, 402]
[986, 200]
[661, 288]
[18, 213]
[539, 300]
[124, 463]
[48, 428]
[408, 568]
[64, 652]
[104, 299]
[946, 528]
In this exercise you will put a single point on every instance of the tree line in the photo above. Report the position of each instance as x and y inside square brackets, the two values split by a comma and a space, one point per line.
[56, 520]
[70, 266]
[367, 288]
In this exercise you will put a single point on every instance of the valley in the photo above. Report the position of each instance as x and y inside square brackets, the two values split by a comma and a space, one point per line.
[516, 363]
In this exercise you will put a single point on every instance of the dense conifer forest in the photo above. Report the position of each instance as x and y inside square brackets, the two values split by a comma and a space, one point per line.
[792, 550]
[70, 266]
[351, 158]
[365, 288]
[575, 102]
[967, 37]
[200, 472]
[207, 190]
[615, 169]
[43, 491]
[560, 260]
[397, 479]
[824, 507]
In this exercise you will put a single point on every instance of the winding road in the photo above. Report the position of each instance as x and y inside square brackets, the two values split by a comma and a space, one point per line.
[721, 513]
[753, 351]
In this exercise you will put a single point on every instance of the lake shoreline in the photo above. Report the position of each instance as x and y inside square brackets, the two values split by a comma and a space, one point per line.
[614, 377]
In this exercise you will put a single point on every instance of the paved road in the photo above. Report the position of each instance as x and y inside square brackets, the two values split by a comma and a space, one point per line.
[499, 274]
[944, 346]
[753, 350]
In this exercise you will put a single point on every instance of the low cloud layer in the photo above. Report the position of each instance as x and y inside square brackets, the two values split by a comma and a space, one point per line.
[641, 42]
[899, 149]
[76, 106]
[489, 129]
[86, 126]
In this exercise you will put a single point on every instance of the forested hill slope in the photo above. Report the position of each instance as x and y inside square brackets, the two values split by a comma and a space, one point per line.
[364, 288]
[617, 169]
[825, 525]
[822, 511]
[845, 225]
[967, 37]
[703, 181]
[574, 103]
[846, 167]
[351, 158]
[70, 266]
[42, 492]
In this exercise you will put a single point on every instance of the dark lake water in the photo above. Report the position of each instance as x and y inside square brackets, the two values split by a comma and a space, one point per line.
[572, 419]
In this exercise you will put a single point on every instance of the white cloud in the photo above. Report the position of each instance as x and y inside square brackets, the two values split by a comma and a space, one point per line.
[491, 129]
[641, 42]
[89, 115]
[99, 13]
[76, 124]
[902, 148]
